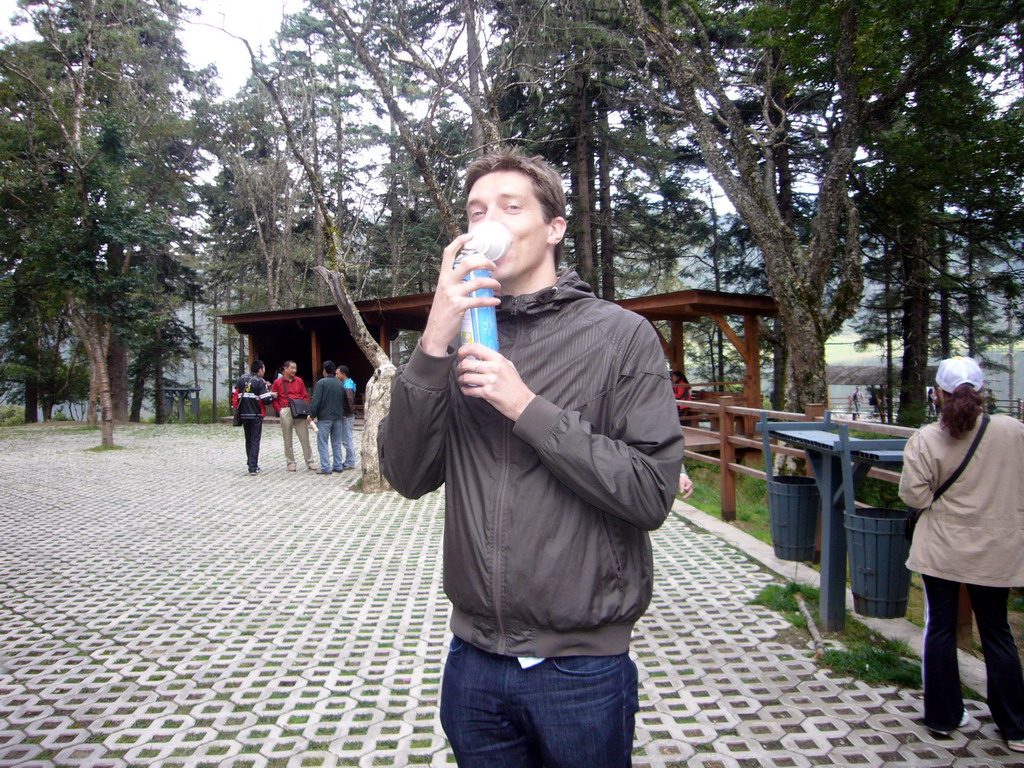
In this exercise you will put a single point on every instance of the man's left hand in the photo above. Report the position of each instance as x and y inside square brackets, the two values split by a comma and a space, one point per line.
[490, 376]
[685, 486]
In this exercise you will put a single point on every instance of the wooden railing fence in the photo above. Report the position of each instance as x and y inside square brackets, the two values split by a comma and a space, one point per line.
[731, 426]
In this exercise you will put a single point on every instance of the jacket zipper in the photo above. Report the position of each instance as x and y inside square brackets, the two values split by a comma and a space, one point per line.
[499, 570]
[499, 523]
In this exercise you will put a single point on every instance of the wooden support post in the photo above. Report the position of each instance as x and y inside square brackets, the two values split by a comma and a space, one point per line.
[385, 340]
[315, 359]
[676, 355]
[727, 455]
[814, 412]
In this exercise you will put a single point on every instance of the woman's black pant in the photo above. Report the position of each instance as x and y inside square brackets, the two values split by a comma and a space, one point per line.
[943, 701]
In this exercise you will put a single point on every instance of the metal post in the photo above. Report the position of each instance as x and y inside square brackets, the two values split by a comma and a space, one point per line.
[833, 538]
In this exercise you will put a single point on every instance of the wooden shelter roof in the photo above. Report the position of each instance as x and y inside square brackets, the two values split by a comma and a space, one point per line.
[696, 304]
[410, 312]
[319, 333]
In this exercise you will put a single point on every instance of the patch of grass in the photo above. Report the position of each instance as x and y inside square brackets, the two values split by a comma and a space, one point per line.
[875, 665]
[781, 598]
[11, 415]
[751, 500]
[104, 448]
[868, 656]
[752, 514]
[1016, 602]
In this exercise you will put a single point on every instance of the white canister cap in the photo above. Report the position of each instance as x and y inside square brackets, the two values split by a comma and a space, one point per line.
[491, 239]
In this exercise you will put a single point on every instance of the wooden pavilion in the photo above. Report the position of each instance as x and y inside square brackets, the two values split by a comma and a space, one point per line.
[314, 334]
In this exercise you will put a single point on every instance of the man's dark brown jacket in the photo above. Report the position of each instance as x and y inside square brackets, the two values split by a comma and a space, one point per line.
[546, 545]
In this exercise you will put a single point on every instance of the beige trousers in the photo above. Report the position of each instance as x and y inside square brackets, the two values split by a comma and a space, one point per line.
[299, 426]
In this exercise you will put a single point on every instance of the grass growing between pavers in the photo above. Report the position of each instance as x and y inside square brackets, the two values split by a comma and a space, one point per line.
[104, 448]
[868, 656]
[751, 500]
[752, 514]
[752, 517]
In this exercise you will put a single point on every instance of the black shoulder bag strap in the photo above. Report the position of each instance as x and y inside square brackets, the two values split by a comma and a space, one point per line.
[915, 514]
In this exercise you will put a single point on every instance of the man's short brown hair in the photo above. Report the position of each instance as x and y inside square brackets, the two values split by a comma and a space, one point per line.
[547, 184]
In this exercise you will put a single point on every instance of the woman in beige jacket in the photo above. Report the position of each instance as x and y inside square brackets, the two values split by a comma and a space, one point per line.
[974, 535]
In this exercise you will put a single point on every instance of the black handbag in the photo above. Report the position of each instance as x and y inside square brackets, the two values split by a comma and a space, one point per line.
[300, 408]
[915, 514]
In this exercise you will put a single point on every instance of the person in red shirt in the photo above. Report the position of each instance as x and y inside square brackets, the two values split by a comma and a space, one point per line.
[681, 391]
[289, 388]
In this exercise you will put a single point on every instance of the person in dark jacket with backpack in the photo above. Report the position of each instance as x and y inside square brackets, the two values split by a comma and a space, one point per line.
[558, 453]
[250, 397]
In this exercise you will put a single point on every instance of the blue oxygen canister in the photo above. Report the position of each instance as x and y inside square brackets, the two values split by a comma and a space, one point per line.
[480, 325]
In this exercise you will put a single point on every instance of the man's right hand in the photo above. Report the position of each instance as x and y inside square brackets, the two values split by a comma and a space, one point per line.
[452, 299]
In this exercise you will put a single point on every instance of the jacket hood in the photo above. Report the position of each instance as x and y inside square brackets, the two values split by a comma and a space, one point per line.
[568, 287]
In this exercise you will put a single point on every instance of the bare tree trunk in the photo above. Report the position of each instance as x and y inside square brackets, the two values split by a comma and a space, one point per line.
[230, 357]
[945, 329]
[971, 313]
[195, 352]
[158, 384]
[473, 50]
[215, 361]
[716, 269]
[606, 216]
[396, 225]
[90, 416]
[94, 333]
[915, 332]
[138, 394]
[31, 402]
[583, 244]
[117, 366]
[780, 364]
[377, 401]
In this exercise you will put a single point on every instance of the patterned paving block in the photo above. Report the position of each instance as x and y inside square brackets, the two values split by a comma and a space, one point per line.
[196, 616]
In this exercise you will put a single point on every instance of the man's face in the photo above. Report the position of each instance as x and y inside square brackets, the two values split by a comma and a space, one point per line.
[289, 371]
[508, 197]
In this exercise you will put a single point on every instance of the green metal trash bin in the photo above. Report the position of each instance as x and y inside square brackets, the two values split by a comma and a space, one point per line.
[878, 550]
[794, 505]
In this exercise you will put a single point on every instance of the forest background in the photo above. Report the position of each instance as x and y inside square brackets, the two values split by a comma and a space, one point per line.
[861, 162]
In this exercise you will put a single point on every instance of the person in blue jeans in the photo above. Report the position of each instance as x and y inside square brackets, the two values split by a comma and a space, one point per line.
[328, 408]
[559, 452]
[349, 421]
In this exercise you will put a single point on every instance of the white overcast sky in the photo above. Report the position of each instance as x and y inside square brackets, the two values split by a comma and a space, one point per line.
[255, 20]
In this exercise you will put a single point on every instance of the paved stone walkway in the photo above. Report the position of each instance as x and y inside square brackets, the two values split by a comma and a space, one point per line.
[158, 606]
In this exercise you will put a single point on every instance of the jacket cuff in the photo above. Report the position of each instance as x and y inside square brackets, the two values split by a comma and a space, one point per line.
[535, 424]
[427, 370]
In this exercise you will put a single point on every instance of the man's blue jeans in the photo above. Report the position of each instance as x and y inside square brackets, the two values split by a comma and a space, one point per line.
[348, 427]
[566, 712]
[330, 433]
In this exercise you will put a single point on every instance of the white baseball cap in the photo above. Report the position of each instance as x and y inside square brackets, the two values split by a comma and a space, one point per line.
[954, 371]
